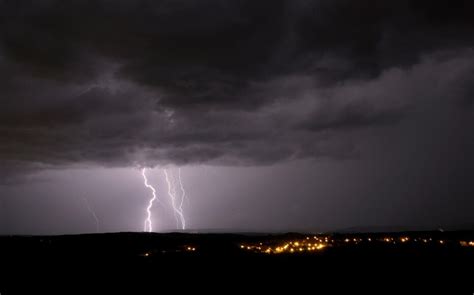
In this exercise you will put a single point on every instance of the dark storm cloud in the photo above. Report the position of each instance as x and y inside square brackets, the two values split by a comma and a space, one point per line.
[353, 116]
[223, 82]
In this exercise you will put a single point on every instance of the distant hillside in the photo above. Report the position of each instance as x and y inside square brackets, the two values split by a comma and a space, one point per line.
[400, 228]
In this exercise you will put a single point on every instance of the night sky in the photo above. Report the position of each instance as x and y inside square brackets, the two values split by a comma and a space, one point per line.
[282, 115]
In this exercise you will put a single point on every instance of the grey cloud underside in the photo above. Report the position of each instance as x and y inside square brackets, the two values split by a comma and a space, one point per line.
[121, 83]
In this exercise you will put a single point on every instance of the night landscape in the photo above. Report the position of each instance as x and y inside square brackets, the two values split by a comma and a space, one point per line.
[236, 146]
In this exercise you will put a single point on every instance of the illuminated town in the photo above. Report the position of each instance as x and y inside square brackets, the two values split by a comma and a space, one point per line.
[318, 243]
[295, 246]
[299, 245]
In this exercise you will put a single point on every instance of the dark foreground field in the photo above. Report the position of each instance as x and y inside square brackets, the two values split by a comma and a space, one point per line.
[200, 262]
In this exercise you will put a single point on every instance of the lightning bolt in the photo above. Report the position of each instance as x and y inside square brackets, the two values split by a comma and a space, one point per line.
[178, 211]
[172, 195]
[92, 212]
[148, 224]
[183, 196]
[177, 206]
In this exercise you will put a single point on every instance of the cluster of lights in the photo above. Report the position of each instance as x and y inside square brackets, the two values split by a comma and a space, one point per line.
[354, 240]
[315, 244]
[467, 243]
[190, 249]
[393, 240]
[309, 244]
[296, 246]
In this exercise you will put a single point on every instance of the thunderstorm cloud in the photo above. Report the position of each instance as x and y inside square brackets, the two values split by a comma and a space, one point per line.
[126, 83]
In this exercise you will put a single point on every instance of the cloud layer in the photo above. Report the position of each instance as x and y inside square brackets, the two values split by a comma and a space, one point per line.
[121, 83]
